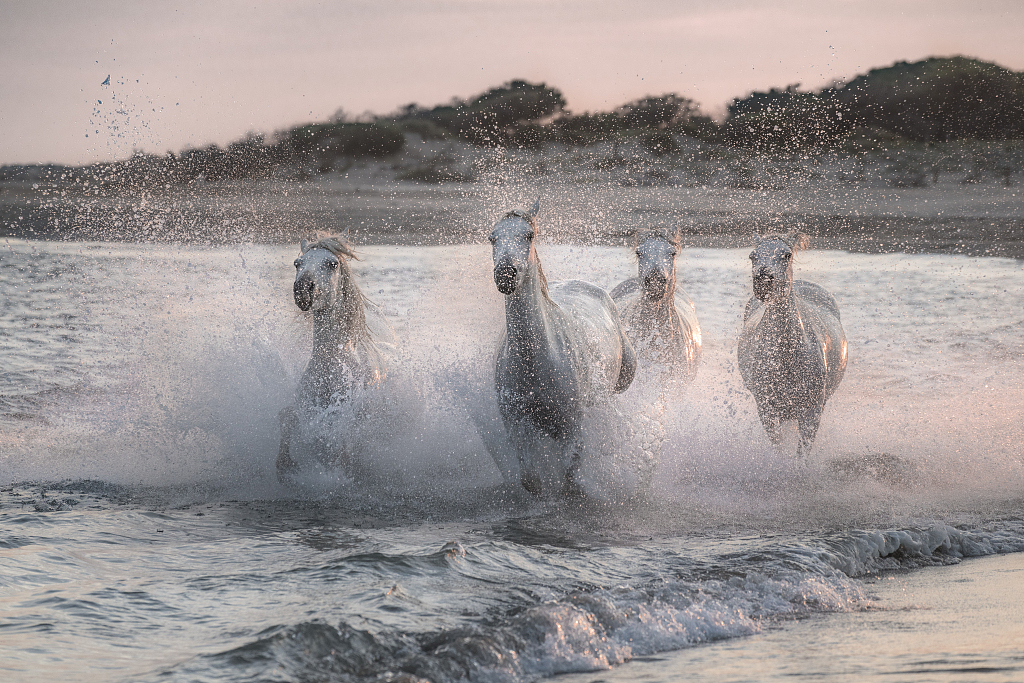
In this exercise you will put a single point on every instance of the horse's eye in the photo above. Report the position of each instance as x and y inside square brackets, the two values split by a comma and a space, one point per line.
[530, 235]
[753, 256]
[297, 264]
[332, 264]
[639, 253]
[492, 238]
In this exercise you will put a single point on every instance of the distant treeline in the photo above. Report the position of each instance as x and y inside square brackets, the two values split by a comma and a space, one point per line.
[935, 100]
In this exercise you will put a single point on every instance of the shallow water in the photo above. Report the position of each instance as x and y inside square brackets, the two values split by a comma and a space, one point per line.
[146, 536]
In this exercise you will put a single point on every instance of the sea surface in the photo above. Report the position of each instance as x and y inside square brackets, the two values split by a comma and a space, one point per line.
[144, 535]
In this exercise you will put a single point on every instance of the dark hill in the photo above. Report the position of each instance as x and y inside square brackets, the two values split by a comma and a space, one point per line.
[938, 100]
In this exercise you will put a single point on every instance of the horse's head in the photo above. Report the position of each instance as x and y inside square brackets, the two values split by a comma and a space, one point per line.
[321, 274]
[656, 263]
[513, 248]
[772, 265]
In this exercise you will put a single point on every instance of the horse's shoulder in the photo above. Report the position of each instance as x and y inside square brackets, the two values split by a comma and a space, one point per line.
[753, 307]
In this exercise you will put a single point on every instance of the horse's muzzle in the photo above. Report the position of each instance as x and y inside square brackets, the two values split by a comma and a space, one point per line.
[655, 284]
[764, 285]
[305, 291]
[505, 276]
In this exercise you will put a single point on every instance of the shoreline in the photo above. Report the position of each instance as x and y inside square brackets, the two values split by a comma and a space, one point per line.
[954, 623]
[949, 217]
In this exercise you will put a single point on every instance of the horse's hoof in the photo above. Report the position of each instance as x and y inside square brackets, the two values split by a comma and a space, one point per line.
[571, 488]
[285, 468]
[531, 482]
[288, 418]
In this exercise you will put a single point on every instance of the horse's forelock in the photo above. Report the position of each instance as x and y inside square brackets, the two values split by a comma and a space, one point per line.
[795, 240]
[332, 244]
[661, 234]
[516, 213]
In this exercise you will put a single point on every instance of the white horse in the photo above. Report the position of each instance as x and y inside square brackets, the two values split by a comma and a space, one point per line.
[346, 357]
[660, 319]
[792, 353]
[563, 349]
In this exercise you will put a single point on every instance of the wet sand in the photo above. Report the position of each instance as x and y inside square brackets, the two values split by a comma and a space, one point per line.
[588, 196]
[956, 623]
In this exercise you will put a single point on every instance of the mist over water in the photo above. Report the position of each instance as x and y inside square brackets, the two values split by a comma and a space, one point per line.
[143, 391]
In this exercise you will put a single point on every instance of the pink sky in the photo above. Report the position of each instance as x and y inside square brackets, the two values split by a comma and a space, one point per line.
[191, 73]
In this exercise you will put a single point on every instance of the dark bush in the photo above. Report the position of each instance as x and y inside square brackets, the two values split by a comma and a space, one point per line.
[786, 120]
[530, 136]
[434, 174]
[658, 112]
[425, 128]
[493, 117]
[586, 129]
[358, 140]
[516, 102]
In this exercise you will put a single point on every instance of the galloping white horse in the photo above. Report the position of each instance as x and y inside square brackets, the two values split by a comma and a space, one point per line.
[563, 349]
[660, 319]
[792, 353]
[345, 354]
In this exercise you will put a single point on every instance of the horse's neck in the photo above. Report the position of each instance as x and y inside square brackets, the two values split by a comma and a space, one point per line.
[337, 329]
[658, 310]
[528, 312]
[784, 325]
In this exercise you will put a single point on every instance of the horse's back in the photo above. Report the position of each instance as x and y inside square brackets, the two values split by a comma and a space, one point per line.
[587, 302]
[377, 323]
[817, 295]
[596, 318]
[625, 289]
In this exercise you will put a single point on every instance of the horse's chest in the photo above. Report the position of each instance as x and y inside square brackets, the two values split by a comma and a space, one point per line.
[547, 394]
[330, 381]
[782, 371]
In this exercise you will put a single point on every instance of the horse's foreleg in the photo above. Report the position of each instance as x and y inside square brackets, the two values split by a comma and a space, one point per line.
[289, 420]
[808, 421]
[627, 364]
[771, 422]
[570, 486]
[528, 475]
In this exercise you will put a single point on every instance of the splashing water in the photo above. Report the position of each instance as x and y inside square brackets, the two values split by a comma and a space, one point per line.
[138, 432]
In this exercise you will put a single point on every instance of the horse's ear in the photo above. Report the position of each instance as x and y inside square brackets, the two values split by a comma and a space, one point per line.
[801, 241]
[303, 245]
[534, 210]
[677, 236]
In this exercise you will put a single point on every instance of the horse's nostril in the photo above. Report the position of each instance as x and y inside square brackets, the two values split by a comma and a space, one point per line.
[304, 291]
[505, 277]
[655, 278]
[764, 282]
[655, 282]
